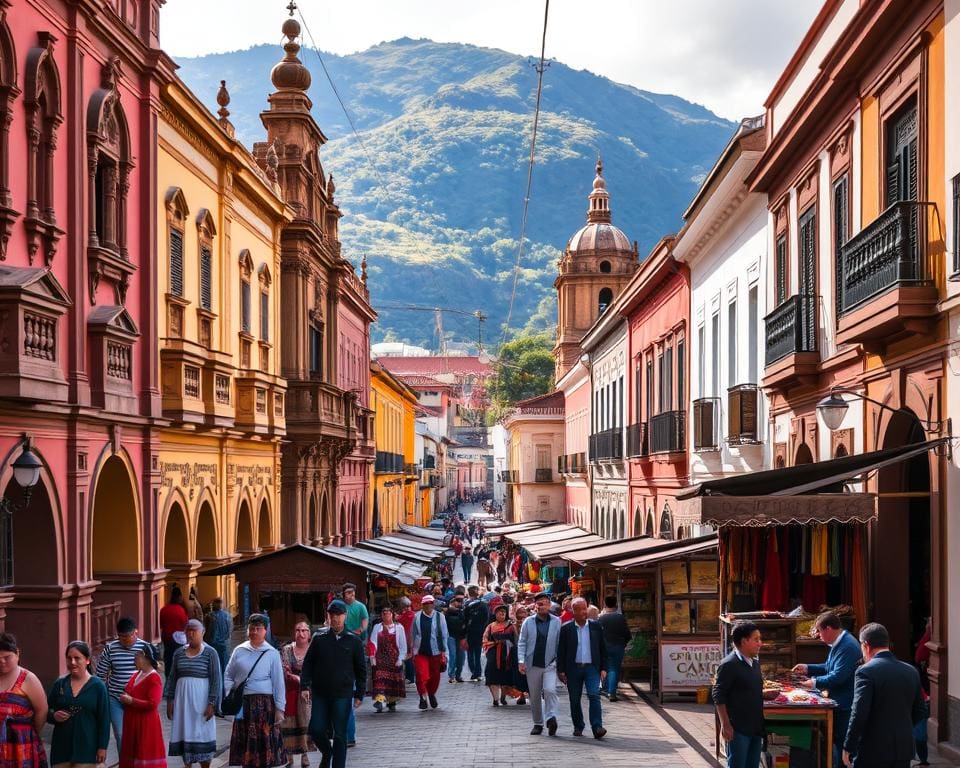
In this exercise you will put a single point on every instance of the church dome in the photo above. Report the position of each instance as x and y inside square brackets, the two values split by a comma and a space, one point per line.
[599, 234]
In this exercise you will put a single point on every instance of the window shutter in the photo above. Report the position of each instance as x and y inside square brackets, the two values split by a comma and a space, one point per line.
[681, 374]
[840, 221]
[245, 306]
[264, 316]
[781, 276]
[748, 414]
[176, 262]
[703, 417]
[206, 278]
[734, 427]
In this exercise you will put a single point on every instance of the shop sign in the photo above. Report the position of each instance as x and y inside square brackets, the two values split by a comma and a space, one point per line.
[688, 665]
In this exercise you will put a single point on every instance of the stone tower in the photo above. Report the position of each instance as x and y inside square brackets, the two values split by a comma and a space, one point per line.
[597, 262]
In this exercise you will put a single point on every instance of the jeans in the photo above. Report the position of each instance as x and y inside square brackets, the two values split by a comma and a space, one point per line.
[455, 658]
[744, 751]
[578, 678]
[221, 649]
[331, 715]
[614, 663]
[351, 727]
[841, 719]
[473, 656]
[409, 672]
[116, 720]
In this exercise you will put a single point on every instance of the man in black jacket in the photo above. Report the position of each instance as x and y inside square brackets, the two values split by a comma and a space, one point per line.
[738, 695]
[476, 616]
[886, 705]
[617, 634]
[582, 663]
[457, 627]
[334, 672]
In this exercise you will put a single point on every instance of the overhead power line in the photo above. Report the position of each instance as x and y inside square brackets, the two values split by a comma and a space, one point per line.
[533, 148]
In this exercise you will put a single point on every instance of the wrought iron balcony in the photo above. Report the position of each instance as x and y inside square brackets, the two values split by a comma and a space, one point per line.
[885, 253]
[706, 424]
[388, 462]
[667, 432]
[791, 328]
[544, 475]
[637, 444]
[606, 445]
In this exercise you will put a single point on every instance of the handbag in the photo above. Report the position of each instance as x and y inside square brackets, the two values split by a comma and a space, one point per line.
[233, 701]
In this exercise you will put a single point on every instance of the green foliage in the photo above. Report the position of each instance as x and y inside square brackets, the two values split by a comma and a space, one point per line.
[447, 127]
[524, 368]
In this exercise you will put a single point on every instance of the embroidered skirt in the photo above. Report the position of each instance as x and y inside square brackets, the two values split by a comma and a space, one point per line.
[256, 741]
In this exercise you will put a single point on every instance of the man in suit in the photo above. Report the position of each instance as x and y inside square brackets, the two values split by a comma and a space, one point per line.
[537, 656]
[582, 662]
[836, 675]
[886, 705]
[738, 696]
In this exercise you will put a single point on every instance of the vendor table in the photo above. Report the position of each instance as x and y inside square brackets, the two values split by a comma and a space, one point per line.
[818, 717]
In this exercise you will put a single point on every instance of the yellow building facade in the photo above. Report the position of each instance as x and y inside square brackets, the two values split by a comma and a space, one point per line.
[393, 485]
[219, 222]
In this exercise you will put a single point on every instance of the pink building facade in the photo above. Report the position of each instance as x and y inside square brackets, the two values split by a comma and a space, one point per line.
[78, 319]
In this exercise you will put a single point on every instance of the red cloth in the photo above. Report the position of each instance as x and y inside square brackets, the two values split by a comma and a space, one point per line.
[405, 619]
[142, 744]
[428, 673]
[173, 618]
[772, 594]
[566, 616]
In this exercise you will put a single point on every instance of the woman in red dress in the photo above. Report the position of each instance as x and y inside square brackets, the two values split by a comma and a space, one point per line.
[142, 745]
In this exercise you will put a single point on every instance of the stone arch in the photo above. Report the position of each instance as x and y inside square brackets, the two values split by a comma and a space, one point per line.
[8, 92]
[637, 522]
[604, 299]
[205, 538]
[324, 517]
[312, 527]
[355, 531]
[175, 515]
[648, 528]
[264, 529]
[244, 534]
[342, 522]
[623, 531]
[176, 546]
[803, 455]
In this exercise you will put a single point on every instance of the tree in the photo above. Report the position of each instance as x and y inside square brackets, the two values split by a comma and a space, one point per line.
[524, 368]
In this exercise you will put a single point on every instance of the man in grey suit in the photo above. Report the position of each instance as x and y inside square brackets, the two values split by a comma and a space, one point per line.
[537, 653]
[886, 705]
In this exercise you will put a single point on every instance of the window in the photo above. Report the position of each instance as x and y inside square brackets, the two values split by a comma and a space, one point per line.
[902, 181]
[702, 361]
[956, 223]
[264, 316]
[666, 402]
[780, 270]
[731, 343]
[605, 267]
[176, 263]
[206, 278]
[245, 306]
[841, 229]
[637, 392]
[715, 352]
[604, 300]
[649, 385]
[621, 403]
[681, 375]
[753, 327]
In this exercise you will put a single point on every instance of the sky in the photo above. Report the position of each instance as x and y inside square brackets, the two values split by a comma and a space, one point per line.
[724, 54]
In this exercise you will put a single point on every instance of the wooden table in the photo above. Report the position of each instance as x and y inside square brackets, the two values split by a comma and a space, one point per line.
[818, 715]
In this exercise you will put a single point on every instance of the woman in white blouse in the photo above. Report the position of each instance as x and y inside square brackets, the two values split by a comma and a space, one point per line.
[388, 642]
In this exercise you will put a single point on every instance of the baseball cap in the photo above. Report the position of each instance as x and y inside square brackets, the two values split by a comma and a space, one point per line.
[427, 599]
[337, 606]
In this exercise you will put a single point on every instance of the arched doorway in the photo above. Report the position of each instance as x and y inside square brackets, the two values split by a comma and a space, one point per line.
[622, 530]
[666, 523]
[208, 587]
[637, 522]
[902, 538]
[264, 533]
[34, 613]
[244, 528]
[324, 519]
[176, 550]
[648, 530]
[803, 455]
[115, 549]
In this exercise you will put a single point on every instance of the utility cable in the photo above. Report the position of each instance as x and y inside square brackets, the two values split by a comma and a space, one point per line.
[533, 148]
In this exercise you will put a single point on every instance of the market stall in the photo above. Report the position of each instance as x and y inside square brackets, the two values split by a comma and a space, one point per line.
[533, 555]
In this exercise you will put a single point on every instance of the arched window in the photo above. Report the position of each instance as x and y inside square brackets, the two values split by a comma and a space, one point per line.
[109, 164]
[177, 212]
[666, 523]
[604, 300]
[265, 280]
[206, 231]
[648, 529]
[8, 92]
[42, 106]
[605, 267]
[246, 338]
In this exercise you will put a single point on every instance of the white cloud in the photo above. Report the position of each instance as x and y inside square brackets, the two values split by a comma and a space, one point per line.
[725, 54]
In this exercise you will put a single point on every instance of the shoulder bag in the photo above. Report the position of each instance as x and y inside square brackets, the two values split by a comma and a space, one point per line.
[233, 701]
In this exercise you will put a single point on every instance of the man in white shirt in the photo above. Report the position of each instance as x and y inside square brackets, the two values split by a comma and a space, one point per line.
[582, 663]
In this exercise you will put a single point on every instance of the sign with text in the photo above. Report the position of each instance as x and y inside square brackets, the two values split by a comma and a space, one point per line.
[688, 665]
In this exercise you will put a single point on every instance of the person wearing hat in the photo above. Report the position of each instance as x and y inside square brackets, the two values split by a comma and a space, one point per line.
[256, 740]
[405, 619]
[192, 692]
[429, 648]
[333, 678]
[142, 741]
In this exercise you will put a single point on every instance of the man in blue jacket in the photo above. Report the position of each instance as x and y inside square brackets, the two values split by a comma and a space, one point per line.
[582, 663]
[836, 675]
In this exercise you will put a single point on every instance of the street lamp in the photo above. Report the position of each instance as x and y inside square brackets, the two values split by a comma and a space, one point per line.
[833, 408]
[26, 473]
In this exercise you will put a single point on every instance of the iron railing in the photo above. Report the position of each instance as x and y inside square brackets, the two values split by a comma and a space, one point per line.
[667, 432]
[637, 441]
[606, 445]
[791, 328]
[544, 475]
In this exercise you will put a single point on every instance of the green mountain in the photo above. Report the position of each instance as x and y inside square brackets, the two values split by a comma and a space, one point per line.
[434, 194]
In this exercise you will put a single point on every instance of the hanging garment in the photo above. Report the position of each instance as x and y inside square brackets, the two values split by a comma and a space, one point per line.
[771, 595]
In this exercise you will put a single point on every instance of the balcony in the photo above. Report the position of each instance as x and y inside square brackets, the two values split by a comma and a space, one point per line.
[886, 287]
[365, 444]
[411, 470]
[743, 404]
[544, 475]
[667, 432]
[509, 476]
[606, 445]
[706, 424]
[791, 355]
[637, 440]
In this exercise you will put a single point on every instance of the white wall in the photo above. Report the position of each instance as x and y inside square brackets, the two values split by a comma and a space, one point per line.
[726, 270]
